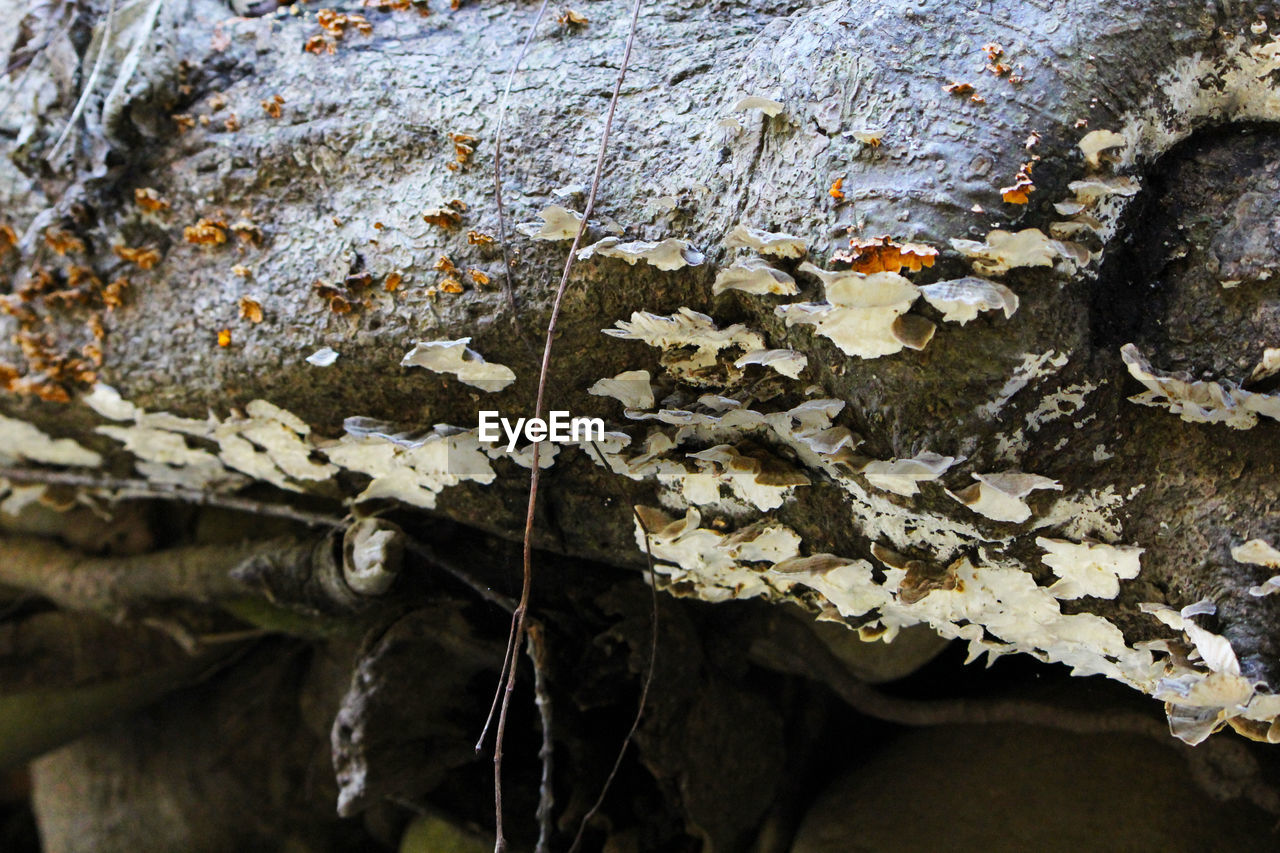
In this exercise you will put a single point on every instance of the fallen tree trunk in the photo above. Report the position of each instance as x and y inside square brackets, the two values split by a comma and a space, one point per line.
[951, 317]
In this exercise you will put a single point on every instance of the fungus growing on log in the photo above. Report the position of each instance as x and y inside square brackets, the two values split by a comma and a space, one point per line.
[765, 242]
[756, 276]
[458, 359]
[862, 314]
[1002, 496]
[961, 300]
[669, 254]
[558, 223]
[903, 476]
[767, 106]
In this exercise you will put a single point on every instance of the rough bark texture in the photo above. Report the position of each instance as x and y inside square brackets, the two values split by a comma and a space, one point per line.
[1168, 245]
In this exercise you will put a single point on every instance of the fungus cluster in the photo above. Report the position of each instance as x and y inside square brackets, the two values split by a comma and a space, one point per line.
[1198, 401]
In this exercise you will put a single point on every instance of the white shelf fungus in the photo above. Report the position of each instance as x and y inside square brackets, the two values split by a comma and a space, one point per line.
[266, 443]
[755, 276]
[903, 476]
[863, 313]
[762, 542]
[868, 135]
[558, 223]
[686, 328]
[1002, 496]
[1198, 401]
[1005, 250]
[1267, 366]
[456, 358]
[757, 477]
[1258, 553]
[1089, 568]
[754, 102]
[961, 300]
[107, 402]
[1088, 192]
[1095, 142]
[1268, 587]
[669, 254]
[323, 357]
[631, 388]
[816, 564]
[785, 361]
[413, 474]
[765, 242]
[20, 441]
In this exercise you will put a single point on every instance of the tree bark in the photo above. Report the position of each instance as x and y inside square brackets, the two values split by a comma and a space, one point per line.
[305, 186]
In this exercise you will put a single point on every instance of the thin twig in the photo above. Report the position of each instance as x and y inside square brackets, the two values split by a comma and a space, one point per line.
[536, 649]
[488, 594]
[500, 844]
[107, 32]
[502, 679]
[431, 555]
[499, 136]
[497, 190]
[644, 691]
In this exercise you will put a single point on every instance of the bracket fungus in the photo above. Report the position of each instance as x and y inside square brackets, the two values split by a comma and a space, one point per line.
[372, 553]
[765, 242]
[754, 475]
[1006, 250]
[523, 457]
[768, 106]
[755, 276]
[558, 223]
[1198, 401]
[1268, 587]
[458, 359]
[1089, 192]
[920, 577]
[264, 442]
[863, 313]
[1258, 553]
[668, 254]
[868, 136]
[1268, 365]
[706, 559]
[884, 254]
[413, 472]
[787, 362]
[1089, 568]
[1002, 496]
[1095, 142]
[20, 441]
[903, 476]
[323, 357]
[763, 541]
[686, 328]
[632, 388]
[961, 300]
